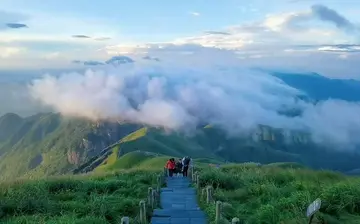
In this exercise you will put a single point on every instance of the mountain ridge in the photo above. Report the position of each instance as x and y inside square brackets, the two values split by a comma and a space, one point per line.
[319, 87]
[49, 144]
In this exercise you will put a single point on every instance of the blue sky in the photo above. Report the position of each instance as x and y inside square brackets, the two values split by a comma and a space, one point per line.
[35, 34]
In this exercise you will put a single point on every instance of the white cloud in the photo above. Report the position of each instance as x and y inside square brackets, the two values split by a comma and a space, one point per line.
[53, 55]
[178, 96]
[6, 52]
[318, 25]
[195, 13]
[343, 56]
[340, 48]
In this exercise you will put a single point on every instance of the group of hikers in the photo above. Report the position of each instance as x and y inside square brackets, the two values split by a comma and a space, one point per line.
[178, 167]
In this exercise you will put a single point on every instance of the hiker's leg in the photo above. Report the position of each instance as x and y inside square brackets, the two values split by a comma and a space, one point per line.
[186, 171]
[170, 172]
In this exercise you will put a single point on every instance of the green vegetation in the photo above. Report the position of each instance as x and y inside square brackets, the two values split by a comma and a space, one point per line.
[49, 144]
[101, 198]
[274, 194]
[132, 160]
[135, 135]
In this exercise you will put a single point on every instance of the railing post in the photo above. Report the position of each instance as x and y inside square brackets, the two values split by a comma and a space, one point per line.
[191, 170]
[159, 183]
[125, 220]
[198, 181]
[194, 176]
[218, 212]
[235, 221]
[149, 197]
[142, 212]
[165, 172]
[208, 194]
[203, 194]
[153, 199]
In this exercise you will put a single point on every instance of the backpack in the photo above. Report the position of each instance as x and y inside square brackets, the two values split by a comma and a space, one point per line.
[186, 161]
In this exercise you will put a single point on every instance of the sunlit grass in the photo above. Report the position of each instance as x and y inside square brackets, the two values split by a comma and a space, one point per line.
[95, 198]
[272, 194]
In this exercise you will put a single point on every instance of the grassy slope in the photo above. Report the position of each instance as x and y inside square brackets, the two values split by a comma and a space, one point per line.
[47, 135]
[137, 160]
[101, 198]
[274, 194]
[157, 144]
[213, 144]
[143, 160]
[40, 145]
[172, 144]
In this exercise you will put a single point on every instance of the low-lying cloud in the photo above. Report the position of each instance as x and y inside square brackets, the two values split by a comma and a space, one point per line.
[329, 15]
[81, 36]
[217, 33]
[16, 25]
[177, 97]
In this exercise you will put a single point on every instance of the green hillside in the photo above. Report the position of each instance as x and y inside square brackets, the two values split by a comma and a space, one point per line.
[132, 160]
[49, 144]
[277, 193]
[95, 199]
[272, 193]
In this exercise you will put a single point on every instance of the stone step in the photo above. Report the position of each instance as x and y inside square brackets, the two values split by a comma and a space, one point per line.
[165, 220]
[179, 213]
[179, 204]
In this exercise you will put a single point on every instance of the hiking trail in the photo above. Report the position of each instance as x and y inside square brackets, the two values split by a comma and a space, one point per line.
[179, 204]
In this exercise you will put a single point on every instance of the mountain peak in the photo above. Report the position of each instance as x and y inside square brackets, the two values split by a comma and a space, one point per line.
[117, 60]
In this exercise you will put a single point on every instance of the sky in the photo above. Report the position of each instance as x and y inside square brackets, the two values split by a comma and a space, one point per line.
[176, 64]
[299, 34]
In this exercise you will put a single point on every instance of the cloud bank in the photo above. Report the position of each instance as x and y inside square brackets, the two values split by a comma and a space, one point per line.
[82, 36]
[16, 25]
[172, 95]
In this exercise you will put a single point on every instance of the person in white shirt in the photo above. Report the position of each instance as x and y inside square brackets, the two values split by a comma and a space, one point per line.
[185, 165]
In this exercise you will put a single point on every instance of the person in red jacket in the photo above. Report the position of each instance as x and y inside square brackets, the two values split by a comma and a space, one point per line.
[170, 165]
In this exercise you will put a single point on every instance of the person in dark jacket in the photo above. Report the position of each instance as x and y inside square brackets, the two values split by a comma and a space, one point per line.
[178, 169]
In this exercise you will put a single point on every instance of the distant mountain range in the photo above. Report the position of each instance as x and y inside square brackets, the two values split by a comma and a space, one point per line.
[48, 144]
[320, 87]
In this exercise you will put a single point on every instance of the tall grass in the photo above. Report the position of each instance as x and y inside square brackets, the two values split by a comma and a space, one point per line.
[101, 198]
[274, 195]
